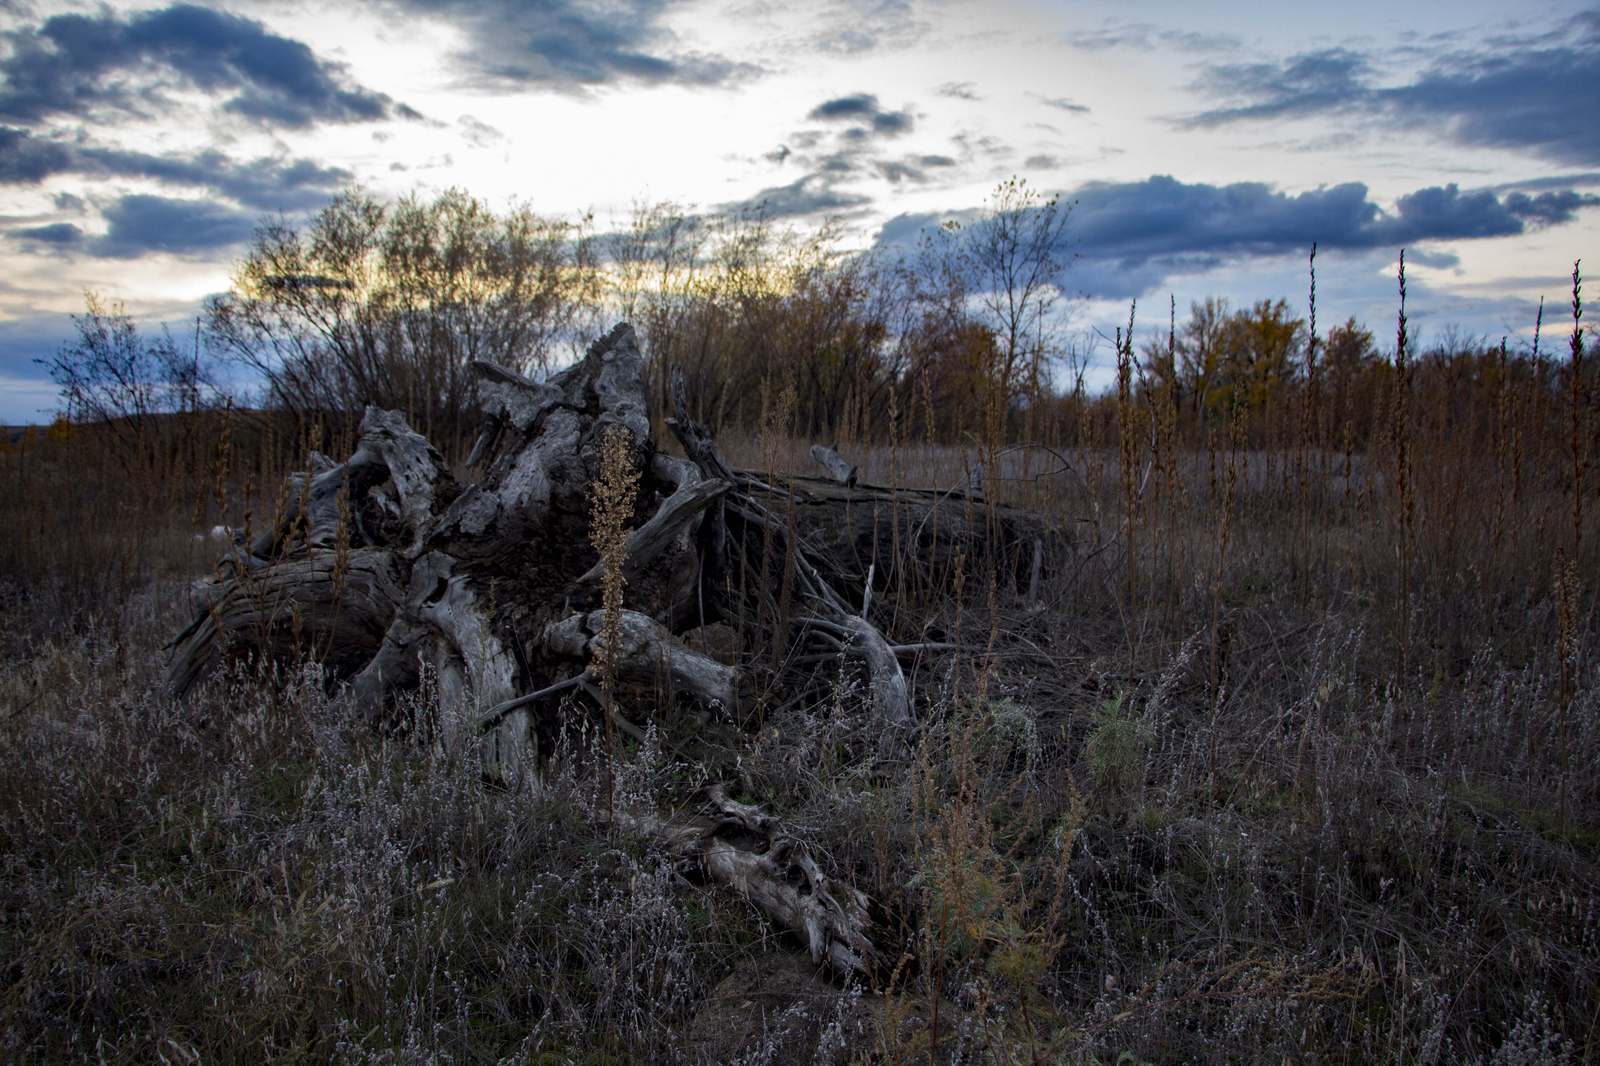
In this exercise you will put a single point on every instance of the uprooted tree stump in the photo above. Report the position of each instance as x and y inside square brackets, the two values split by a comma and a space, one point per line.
[386, 568]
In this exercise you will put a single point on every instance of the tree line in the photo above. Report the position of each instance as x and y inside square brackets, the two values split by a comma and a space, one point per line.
[966, 335]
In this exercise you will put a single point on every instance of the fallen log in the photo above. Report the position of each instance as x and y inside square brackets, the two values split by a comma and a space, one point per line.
[837, 468]
[388, 570]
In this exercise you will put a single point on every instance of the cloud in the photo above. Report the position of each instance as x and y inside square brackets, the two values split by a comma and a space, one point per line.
[1163, 216]
[1146, 36]
[901, 232]
[266, 184]
[1580, 180]
[863, 108]
[895, 171]
[1042, 162]
[1548, 208]
[1305, 84]
[814, 195]
[1127, 236]
[573, 45]
[59, 234]
[856, 27]
[80, 65]
[850, 145]
[1061, 103]
[959, 90]
[1520, 94]
[982, 145]
[26, 160]
[478, 133]
[141, 225]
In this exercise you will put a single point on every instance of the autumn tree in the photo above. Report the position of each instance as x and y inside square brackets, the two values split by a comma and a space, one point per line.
[1261, 346]
[1348, 350]
[1200, 351]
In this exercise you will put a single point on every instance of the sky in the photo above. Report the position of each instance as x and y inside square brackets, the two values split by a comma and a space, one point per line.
[1202, 147]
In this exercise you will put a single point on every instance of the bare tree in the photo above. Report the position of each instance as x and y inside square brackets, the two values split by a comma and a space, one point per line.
[1015, 265]
[117, 377]
[1201, 351]
[390, 303]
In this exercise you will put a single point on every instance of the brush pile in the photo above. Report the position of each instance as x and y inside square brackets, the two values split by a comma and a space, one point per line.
[506, 592]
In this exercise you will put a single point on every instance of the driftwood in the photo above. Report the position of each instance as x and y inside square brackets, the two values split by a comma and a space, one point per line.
[387, 569]
[836, 467]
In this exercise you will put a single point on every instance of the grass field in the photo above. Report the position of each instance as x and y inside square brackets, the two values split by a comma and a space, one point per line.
[1294, 757]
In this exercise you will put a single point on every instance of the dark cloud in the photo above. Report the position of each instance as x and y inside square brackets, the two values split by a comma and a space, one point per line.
[1437, 260]
[24, 159]
[1525, 93]
[778, 155]
[1163, 216]
[1310, 83]
[857, 127]
[573, 45]
[142, 225]
[60, 234]
[79, 65]
[859, 106]
[902, 231]
[1042, 162]
[959, 90]
[1126, 236]
[893, 123]
[266, 184]
[863, 108]
[1549, 208]
[814, 195]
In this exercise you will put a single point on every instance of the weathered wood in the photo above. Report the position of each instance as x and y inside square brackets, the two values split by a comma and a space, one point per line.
[664, 529]
[330, 496]
[476, 669]
[851, 529]
[739, 846]
[389, 572]
[646, 653]
[837, 468]
[305, 606]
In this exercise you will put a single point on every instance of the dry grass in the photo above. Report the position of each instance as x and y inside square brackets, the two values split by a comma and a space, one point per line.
[1191, 804]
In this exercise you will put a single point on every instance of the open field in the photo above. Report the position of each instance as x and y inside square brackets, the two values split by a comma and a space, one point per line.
[1214, 792]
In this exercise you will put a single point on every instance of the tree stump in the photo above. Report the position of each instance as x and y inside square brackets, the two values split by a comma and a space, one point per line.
[384, 567]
